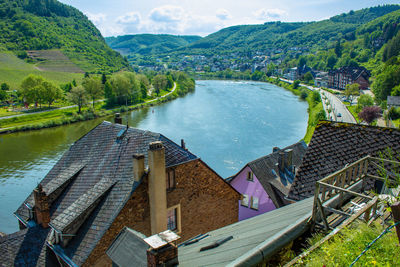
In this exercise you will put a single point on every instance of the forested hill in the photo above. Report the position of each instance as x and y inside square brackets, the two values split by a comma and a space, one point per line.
[49, 24]
[146, 44]
[272, 35]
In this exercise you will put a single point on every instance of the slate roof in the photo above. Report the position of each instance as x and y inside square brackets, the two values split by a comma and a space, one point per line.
[24, 248]
[103, 157]
[128, 249]
[275, 182]
[393, 101]
[248, 237]
[333, 145]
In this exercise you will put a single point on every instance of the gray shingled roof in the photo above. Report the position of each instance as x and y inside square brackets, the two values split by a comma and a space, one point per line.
[277, 186]
[333, 145]
[249, 236]
[103, 156]
[393, 101]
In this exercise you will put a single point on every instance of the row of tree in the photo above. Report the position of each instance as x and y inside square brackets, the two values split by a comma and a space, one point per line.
[124, 88]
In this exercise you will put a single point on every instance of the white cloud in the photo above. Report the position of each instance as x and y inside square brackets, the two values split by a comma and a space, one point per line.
[130, 18]
[97, 19]
[223, 14]
[167, 14]
[269, 14]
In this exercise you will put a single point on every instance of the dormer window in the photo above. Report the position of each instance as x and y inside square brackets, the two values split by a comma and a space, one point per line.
[250, 176]
[170, 179]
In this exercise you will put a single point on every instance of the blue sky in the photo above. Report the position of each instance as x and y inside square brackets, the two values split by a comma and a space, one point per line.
[202, 17]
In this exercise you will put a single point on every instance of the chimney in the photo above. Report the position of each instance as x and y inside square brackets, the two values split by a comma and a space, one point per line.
[157, 187]
[275, 149]
[289, 157]
[117, 118]
[41, 208]
[183, 145]
[138, 167]
[162, 251]
[281, 160]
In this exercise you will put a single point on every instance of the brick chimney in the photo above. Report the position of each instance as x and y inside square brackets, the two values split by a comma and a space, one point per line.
[157, 187]
[117, 118]
[162, 250]
[138, 167]
[42, 209]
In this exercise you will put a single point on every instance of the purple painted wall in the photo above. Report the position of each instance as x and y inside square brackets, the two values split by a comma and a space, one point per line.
[251, 188]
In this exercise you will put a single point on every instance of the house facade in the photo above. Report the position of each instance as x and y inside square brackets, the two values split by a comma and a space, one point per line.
[113, 177]
[266, 181]
[338, 79]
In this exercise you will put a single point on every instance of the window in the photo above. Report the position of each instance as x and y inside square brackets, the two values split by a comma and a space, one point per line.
[254, 203]
[245, 200]
[170, 179]
[250, 176]
[174, 218]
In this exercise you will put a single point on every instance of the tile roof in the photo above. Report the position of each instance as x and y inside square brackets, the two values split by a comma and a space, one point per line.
[333, 145]
[248, 236]
[103, 156]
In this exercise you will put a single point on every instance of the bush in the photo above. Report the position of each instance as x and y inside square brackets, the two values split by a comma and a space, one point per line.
[394, 113]
[303, 94]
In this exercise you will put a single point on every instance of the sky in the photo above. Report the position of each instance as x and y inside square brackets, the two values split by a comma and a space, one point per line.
[203, 17]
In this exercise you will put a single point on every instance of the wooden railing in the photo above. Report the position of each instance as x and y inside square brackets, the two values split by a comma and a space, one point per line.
[348, 181]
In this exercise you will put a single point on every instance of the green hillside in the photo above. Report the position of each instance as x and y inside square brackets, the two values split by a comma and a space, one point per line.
[281, 35]
[145, 44]
[49, 24]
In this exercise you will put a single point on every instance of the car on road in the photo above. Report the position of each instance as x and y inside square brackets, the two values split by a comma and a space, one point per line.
[339, 115]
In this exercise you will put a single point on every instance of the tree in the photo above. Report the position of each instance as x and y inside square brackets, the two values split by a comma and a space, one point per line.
[31, 89]
[396, 91]
[108, 93]
[302, 61]
[50, 92]
[5, 87]
[364, 101]
[159, 83]
[296, 84]
[93, 87]
[338, 49]
[331, 61]
[369, 114]
[78, 96]
[385, 81]
[120, 88]
[103, 78]
[144, 85]
[308, 77]
[351, 91]
[3, 95]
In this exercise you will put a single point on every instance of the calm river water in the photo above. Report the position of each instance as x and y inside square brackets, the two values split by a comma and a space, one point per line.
[225, 123]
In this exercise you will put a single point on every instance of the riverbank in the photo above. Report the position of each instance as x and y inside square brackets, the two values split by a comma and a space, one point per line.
[67, 116]
[60, 117]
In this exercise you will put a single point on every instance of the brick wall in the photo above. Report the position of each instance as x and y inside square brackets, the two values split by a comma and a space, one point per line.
[207, 203]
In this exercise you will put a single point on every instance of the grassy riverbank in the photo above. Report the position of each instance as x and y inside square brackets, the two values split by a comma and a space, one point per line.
[59, 117]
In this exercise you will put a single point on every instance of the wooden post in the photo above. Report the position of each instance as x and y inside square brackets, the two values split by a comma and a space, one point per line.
[396, 217]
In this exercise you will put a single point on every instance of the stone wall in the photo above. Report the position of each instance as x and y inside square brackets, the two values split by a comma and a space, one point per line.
[206, 202]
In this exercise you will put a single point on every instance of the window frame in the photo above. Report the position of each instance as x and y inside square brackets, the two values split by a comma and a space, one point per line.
[252, 200]
[170, 176]
[177, 210]
[250, 176]
[243, 202]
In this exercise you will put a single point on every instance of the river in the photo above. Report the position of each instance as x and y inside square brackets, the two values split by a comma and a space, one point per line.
[226, 123]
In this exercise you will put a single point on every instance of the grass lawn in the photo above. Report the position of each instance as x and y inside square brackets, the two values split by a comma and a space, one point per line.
[13, 70]
[353, 111]
[344, 248]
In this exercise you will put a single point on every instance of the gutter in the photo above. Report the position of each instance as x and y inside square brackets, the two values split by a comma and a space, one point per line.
[273, 244]
[21, 220]
[61, 255]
